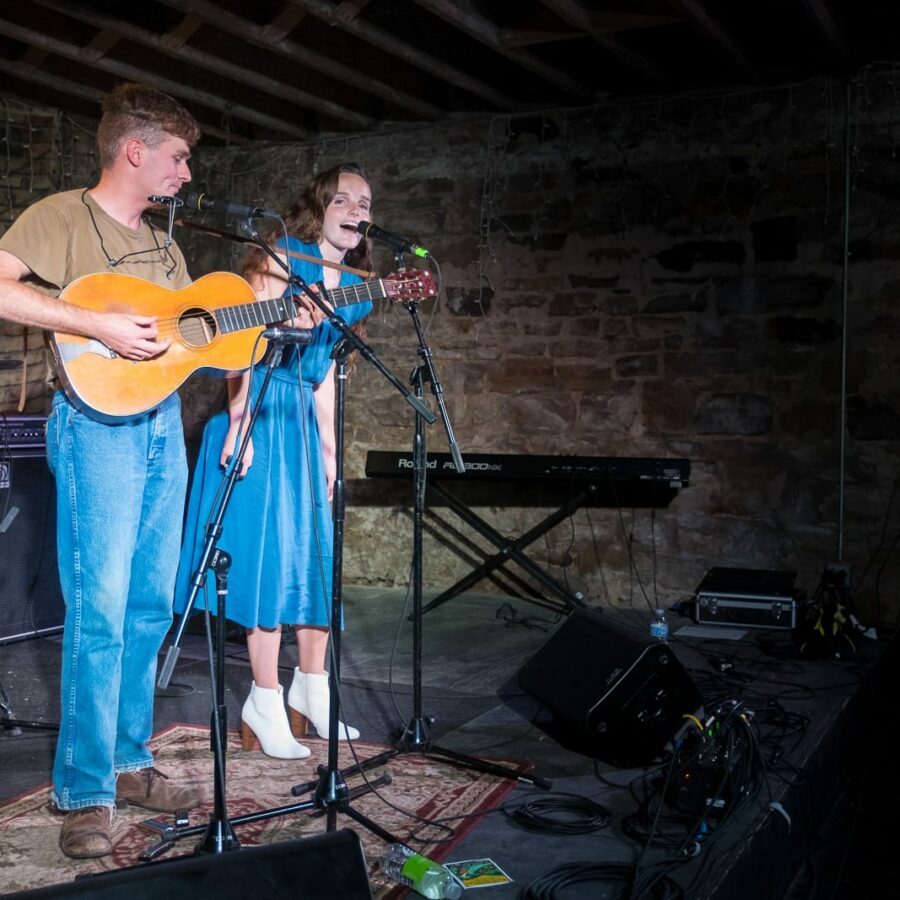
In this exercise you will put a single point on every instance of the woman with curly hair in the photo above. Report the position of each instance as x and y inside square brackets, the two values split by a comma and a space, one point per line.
[278, 527]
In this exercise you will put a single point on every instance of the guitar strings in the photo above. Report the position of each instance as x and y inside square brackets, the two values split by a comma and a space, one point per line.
[168, 325]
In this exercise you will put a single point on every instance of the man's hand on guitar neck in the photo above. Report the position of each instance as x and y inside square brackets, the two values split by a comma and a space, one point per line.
[134, 337]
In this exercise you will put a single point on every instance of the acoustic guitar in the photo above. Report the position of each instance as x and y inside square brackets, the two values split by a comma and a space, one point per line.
[214, 324]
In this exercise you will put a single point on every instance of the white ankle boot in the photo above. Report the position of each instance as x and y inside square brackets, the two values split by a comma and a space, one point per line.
[309, 700]
[264, 725]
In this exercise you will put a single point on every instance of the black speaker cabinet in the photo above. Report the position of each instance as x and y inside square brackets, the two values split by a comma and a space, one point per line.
[613, 696]
[30, 598]
[324, 867]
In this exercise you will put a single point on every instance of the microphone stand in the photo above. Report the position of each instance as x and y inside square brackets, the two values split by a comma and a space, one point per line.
[331, 791]
[218, 834]
[416, 737]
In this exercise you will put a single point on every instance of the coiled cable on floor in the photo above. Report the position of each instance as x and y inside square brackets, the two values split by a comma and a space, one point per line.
[559, 813]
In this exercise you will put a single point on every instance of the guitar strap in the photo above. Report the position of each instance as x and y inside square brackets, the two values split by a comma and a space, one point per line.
[24, 381]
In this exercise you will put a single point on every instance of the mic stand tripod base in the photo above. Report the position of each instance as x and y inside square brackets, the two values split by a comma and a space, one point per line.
[331, 789]
[413, 742]
[219, 837]
[181, 829]
[416, 737]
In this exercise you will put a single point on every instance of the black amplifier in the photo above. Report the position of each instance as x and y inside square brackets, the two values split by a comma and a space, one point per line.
[23, 436]
[747, 598]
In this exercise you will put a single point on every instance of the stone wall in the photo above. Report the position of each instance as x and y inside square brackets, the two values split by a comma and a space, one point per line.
[662, 279]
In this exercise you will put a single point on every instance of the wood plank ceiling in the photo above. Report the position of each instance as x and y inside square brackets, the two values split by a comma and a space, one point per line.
[285, 70]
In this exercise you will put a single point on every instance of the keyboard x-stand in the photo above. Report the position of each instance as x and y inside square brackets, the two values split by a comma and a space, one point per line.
[577, 481]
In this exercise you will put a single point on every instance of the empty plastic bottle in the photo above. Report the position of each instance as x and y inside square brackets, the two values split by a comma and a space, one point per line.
[428, 878]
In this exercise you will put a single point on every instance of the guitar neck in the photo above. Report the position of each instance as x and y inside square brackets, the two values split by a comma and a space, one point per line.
[267, 312]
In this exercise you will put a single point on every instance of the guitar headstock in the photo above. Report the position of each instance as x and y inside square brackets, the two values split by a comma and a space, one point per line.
[410, 285]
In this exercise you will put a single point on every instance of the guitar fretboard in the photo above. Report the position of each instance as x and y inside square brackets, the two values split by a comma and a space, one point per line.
[267, 312]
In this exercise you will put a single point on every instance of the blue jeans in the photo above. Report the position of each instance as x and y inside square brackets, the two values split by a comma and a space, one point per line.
[120, 501]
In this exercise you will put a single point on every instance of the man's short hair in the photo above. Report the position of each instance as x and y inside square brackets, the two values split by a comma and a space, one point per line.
[135, 110]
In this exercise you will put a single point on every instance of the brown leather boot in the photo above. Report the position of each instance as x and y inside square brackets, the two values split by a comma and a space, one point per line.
[148, 788]
[85, 833]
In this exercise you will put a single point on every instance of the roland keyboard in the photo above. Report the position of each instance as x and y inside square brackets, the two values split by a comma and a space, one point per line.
[672, 473]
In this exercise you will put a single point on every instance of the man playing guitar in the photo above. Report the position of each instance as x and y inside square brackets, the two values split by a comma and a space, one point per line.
[120, 486]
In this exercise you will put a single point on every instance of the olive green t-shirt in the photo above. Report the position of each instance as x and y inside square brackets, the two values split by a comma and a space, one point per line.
[67, 235]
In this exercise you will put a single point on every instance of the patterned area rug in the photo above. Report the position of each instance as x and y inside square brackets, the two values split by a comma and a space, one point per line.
[29, 825]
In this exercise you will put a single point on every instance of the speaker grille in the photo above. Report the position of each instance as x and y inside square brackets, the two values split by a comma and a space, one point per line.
[30, 597]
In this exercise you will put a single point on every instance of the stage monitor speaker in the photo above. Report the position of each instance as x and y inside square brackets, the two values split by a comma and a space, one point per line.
[612, 695]
[323, 867]
[30, 597]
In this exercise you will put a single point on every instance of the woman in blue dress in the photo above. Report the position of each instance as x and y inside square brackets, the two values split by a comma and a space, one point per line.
[278, 526]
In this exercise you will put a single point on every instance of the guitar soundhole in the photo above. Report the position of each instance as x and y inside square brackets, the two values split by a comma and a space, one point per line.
[197, 327]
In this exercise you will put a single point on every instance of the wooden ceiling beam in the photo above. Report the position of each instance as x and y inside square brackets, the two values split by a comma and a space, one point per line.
[349, 10]
[580, 16]
[603, 27]
[26, 71]
[133, 73]
[462, 15]
[211, 63]
[572, 12]
[175, 38]
[282, 25]
[384, 40]
[253, 33]
[102, 42]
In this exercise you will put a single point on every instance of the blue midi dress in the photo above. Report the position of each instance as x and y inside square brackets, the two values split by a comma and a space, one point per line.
[278, 527]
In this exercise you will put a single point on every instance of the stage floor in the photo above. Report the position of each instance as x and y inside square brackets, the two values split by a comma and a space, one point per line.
[821, 824]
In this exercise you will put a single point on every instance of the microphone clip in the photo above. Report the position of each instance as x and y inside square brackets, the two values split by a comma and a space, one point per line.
[166, 199]
[172, 203]
[299, 336]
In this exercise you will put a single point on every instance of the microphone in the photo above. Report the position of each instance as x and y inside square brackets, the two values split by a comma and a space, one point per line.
[288, 335]
[197, 200]
[396, 243]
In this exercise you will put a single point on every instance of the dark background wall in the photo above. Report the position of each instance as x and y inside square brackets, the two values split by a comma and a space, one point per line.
[660, 279]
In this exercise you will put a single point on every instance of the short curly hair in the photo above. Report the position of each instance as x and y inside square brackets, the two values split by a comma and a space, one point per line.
[136, 110]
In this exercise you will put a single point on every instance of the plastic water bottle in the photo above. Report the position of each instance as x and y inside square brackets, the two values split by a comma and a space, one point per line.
[659, 627]
[430, 879]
